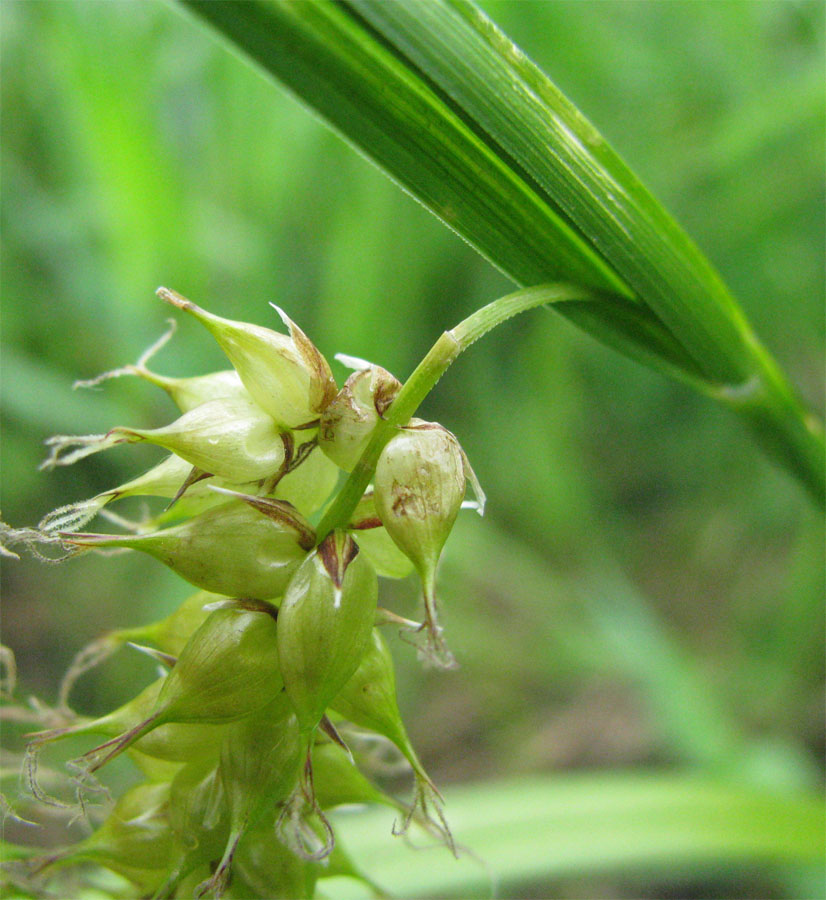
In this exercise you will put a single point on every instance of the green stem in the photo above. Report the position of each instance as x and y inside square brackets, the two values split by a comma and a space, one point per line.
[427, 374]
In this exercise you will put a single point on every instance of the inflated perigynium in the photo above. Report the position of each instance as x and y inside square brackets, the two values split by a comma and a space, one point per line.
[286, 376]
[162, 480]
[324, 624]
[230, 437]
[348, 422]
[227, 670]
[419, 488]
[259, 769]
[172, 742]
[242, 741]
[198, 823]
[369, 700]
[231, 549]
[262, 862]
[198, 816]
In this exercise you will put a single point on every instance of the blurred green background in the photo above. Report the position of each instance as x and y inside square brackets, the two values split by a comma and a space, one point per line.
[646, 592]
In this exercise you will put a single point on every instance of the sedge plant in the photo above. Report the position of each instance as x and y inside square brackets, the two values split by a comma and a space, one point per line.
[249, 736]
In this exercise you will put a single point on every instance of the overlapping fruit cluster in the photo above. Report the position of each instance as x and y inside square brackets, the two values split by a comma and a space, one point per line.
[245, 739]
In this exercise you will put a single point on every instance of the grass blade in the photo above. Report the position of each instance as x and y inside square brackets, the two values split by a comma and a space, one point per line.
[586, 825]
[449, 108]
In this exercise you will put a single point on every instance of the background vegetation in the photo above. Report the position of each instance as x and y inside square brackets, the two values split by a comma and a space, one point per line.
[645, 592]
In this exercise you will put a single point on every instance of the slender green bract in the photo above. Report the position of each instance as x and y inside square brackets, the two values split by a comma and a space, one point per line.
[440, 99]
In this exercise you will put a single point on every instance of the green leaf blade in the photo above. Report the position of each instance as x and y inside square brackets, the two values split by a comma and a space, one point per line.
[440, 100]
[585, 825]
[382, 109]
[523, 114]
